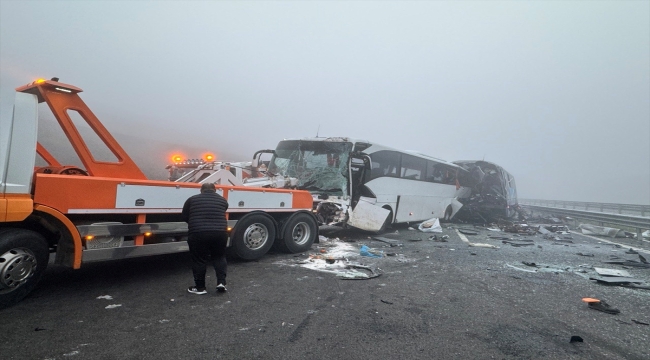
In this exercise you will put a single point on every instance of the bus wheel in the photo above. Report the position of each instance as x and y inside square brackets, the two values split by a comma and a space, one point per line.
[299, 233]
[448, 212]
[253, 236]
[24, 255]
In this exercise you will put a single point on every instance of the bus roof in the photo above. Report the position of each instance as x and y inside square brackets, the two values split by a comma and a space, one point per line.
[374, 147]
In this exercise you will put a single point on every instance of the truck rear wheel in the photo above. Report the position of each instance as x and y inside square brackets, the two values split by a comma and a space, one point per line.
[299, 233]
[24, 255]
[253, 236]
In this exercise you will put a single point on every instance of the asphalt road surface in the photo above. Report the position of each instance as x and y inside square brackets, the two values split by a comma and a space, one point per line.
[433, 300]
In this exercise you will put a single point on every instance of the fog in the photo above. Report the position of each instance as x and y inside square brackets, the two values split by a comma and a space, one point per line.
[556, 92]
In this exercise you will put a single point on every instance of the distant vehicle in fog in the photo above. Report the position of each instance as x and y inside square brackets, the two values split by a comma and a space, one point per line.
[492, 192]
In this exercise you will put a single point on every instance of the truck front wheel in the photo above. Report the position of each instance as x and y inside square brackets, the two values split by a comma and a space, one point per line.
[24, 255]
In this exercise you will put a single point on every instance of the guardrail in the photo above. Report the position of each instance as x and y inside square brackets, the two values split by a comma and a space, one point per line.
[611, 208]
[639, 223]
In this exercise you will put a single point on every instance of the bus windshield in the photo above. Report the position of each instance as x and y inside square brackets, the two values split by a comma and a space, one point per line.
[321, 167]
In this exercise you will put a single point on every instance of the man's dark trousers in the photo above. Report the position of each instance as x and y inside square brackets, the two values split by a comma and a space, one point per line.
[208, 247]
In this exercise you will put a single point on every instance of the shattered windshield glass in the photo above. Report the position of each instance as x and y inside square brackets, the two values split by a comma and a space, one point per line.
[321, 167]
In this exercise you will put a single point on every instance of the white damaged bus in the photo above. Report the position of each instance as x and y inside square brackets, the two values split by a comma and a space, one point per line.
[367, 185]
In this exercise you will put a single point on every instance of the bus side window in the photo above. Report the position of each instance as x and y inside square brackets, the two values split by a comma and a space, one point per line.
[385, 163]
[435, 172]
[412, 167]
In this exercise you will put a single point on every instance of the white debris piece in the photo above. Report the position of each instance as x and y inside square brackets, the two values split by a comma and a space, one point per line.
[107, 297]
[431, 225]
[113, 306]
[612, 272]
[589, 229]
[483, 245]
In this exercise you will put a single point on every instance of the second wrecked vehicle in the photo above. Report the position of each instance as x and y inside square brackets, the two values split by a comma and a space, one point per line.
[491, 192]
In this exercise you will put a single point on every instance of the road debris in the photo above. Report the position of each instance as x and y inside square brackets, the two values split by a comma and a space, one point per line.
[601, 305]
[366, 251]
[611, 272]
[391, 242]
[354, 274]
[520, 269]
[589, 229]
[431, 225]
[575, 339]
[113, 306]
[468, 232]
[490, 246]
[516, 244]
[107, 297]
[582, 254]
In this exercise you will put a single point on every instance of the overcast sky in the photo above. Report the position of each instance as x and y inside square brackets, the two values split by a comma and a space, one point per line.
[556, 92]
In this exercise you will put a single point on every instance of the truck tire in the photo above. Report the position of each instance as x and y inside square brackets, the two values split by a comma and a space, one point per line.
[298, 234]
[24, 255]
[253, 236]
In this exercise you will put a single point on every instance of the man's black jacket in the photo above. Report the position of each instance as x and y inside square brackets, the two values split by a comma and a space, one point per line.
[205, 212]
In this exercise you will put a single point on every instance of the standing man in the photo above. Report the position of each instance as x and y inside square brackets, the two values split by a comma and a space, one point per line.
[205, 214]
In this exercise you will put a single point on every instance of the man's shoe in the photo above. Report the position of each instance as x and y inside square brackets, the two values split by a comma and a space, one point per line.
[221, 288]
[195, 290]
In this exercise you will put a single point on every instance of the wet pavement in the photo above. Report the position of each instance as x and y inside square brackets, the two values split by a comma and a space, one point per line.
[432, 299]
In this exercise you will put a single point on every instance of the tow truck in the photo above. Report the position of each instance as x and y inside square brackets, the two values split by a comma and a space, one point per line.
[108, 210]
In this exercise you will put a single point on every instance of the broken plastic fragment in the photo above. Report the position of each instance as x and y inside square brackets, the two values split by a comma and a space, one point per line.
[113, 306]
[366, 251]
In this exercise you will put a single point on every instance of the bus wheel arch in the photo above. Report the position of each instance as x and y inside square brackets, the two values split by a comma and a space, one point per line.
[448, 211]
[253, 235]
[389, 219]
[298, 233]
[24, 255]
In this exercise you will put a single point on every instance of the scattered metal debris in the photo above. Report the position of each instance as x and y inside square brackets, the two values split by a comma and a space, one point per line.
[391, 242]
[611, 272]
[353, 274]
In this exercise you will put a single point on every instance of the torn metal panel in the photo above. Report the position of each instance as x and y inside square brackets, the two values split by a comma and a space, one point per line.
[611, 272]
[353, 272]
[366, 216]
[616, 280]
